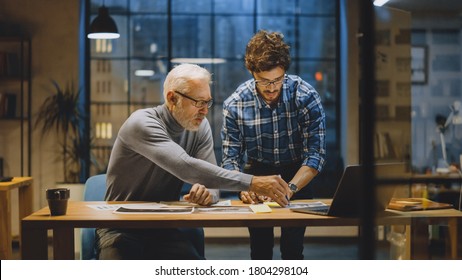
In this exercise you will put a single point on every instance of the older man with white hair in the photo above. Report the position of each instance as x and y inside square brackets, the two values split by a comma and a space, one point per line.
[156, 151]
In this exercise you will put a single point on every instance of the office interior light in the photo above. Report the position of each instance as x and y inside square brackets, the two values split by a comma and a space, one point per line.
[380, 3]
[199, 60]
[103, 26]
[144, 73]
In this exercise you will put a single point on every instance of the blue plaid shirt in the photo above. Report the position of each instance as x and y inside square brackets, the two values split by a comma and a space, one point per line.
[292, 131]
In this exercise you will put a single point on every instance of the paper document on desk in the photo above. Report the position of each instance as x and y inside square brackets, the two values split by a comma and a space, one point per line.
[169, 210]
[221, 207]
[187, 203]
[224, 210]
[153, 208]
[295, 204]
[104, 207]
[112, 207]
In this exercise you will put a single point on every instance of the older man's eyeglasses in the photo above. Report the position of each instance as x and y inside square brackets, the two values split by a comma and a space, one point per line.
[197, 103]
[275, 82]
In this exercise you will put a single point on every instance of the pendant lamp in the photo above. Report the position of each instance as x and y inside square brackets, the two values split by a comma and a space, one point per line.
[103, 26]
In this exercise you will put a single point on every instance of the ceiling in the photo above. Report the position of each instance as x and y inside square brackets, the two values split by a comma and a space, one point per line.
[428, 6]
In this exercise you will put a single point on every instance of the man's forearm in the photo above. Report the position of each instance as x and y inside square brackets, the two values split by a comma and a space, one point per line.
[303, 176]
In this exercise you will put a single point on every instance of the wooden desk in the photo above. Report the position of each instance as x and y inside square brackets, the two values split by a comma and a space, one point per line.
[24, 184]
[79, 215]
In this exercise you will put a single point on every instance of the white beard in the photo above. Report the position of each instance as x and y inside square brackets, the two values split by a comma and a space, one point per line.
[178, 114]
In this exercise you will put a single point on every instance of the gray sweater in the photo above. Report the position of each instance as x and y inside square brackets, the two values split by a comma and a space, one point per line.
[153, 155]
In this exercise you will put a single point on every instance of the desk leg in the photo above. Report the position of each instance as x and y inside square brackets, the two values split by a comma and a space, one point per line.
[25, 201]
[25, 204]
[455, 230]
[419, 240]
[408, 243]
[63, 244]
[5, 225]
[34, 244]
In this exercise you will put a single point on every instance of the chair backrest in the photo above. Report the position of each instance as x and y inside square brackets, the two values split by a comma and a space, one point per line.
[95, 189]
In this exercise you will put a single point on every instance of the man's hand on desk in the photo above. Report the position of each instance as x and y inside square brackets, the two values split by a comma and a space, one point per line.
[273, 187]
[201, 195]
[253, 198]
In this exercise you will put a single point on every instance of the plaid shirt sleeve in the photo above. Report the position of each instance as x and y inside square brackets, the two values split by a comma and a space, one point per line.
[232, 141]
[313, 126]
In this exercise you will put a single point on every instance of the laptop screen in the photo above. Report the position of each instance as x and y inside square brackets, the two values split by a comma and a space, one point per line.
[347, 198]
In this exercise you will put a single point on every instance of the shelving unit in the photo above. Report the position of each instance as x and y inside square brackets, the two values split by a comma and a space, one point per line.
[393, 86]
[15, 106]
[440, 57]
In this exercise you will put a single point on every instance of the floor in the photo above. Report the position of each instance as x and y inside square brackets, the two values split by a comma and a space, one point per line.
[314, 249]
[239, 249]
[317, 248]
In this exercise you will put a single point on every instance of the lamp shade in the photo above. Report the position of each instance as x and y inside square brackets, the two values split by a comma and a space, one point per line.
[103, 26]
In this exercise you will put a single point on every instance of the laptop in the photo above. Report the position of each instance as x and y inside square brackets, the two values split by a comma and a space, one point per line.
[347, 198]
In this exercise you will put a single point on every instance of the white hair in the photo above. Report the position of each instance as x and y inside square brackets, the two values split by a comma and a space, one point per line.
[180, 77]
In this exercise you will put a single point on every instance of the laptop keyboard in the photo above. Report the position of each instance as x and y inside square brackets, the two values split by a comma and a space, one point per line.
[318, 211]
[313, 210]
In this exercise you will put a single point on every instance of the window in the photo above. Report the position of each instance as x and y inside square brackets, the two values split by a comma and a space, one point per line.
[156, 34]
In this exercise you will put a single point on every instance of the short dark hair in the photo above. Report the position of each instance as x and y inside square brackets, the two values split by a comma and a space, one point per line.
[266, 51]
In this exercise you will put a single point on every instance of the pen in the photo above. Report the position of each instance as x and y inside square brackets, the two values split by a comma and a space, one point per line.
[287, 196]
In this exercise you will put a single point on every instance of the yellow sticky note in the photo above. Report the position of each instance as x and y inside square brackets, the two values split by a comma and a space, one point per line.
[272, 204]
[260, 208]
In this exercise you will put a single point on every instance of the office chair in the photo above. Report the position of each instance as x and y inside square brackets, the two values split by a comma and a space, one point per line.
[95, 188]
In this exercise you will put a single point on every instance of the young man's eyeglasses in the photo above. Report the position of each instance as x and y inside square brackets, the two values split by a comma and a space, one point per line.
[197, 103]
[274, 82]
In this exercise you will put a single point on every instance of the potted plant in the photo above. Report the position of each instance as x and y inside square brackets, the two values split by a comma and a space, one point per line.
[60, 112]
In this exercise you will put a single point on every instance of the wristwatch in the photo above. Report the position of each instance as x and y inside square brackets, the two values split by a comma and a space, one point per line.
[293, 187]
